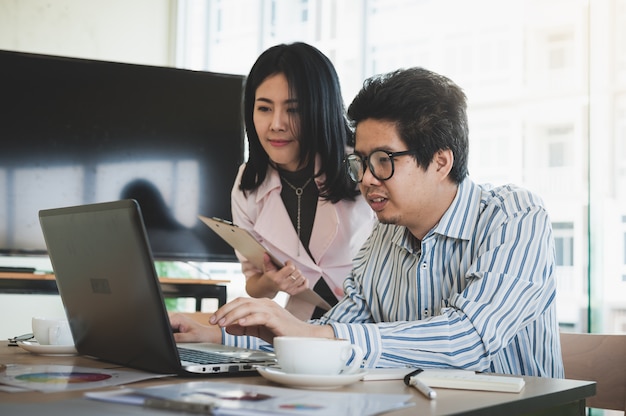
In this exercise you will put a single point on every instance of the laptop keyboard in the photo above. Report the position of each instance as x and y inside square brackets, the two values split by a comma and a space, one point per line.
[204, 357]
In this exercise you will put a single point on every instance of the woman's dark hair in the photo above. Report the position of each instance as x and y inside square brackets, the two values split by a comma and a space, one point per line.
[428, 110]
[324, 129]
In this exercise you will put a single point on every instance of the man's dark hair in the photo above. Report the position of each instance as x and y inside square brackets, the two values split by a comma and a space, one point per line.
[428, 110]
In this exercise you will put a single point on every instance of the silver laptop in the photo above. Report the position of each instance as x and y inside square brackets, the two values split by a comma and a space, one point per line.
[110, 290]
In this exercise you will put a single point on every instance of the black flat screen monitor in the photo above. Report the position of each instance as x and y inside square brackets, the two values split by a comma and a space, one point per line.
[76, 131]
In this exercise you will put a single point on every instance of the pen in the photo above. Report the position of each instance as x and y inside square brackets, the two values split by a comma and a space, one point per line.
[180, 406]
[412, 380]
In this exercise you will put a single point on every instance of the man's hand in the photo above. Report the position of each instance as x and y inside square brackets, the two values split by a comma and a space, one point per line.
[265, 319]
[187, 329]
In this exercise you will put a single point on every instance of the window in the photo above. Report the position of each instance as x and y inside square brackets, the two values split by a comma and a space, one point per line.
[620, 40]
[624, 248]
[304, 14]
[542, 113]
[564, 243]
[559, 47]
[559, 144]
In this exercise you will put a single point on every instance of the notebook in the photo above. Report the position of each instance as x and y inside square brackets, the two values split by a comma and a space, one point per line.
[112, 297]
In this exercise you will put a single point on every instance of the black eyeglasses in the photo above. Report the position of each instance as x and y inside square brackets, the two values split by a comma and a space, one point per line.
[13, 341]
[379, 162]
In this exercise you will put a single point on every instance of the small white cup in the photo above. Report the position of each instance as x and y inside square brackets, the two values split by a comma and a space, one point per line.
[321, 356]
[52, 331]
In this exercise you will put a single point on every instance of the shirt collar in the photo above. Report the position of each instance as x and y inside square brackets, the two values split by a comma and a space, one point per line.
[459, 219]
[457, 222]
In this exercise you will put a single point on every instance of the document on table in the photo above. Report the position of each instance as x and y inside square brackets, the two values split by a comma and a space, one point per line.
[55, 378]
[223, 398]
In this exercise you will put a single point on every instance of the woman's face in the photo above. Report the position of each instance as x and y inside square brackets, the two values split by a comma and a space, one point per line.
[277, 122]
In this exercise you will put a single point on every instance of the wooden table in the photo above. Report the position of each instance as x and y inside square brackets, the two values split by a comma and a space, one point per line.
[540, 396]
[45, 284]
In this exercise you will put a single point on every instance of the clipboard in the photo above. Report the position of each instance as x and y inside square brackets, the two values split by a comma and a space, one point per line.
[245, 243]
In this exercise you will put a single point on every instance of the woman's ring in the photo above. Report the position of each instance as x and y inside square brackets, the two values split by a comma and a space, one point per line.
[294, 278]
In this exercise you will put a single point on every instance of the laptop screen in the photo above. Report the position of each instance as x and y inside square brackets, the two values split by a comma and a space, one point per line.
[109, 287]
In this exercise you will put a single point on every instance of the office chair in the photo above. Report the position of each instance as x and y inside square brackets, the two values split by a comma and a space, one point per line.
[600, 358]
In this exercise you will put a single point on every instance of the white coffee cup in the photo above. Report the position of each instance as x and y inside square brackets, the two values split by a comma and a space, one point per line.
[52, 331]
[321, 356]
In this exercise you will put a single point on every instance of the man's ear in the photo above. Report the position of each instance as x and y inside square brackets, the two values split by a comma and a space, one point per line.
[444, 160]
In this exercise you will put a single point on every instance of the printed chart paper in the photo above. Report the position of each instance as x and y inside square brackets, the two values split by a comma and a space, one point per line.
[55, 378]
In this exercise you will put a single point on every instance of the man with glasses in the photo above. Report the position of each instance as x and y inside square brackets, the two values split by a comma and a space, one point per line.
[454, 275]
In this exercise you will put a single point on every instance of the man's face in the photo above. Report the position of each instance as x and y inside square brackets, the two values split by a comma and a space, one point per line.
[410, 196]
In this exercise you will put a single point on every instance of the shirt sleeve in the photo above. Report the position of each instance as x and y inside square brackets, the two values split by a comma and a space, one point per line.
[245, 342]
[495, 288]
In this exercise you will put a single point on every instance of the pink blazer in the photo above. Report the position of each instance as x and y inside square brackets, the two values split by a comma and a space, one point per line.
[339, 231]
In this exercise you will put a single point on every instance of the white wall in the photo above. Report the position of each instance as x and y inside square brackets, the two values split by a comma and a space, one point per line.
[132, 31]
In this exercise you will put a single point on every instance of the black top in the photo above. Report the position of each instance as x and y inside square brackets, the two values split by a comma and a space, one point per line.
[308, 207]
[308, 201]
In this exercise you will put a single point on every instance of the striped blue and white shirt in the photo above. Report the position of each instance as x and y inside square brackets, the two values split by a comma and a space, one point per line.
[477, 293]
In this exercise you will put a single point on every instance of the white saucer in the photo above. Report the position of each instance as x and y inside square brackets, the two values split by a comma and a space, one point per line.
[309, 380]
[34, 347]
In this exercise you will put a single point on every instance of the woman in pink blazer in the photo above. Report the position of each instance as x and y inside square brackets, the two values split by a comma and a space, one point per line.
[293, 194]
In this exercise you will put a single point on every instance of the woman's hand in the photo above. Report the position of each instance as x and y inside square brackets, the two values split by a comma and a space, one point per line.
[286, 279]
